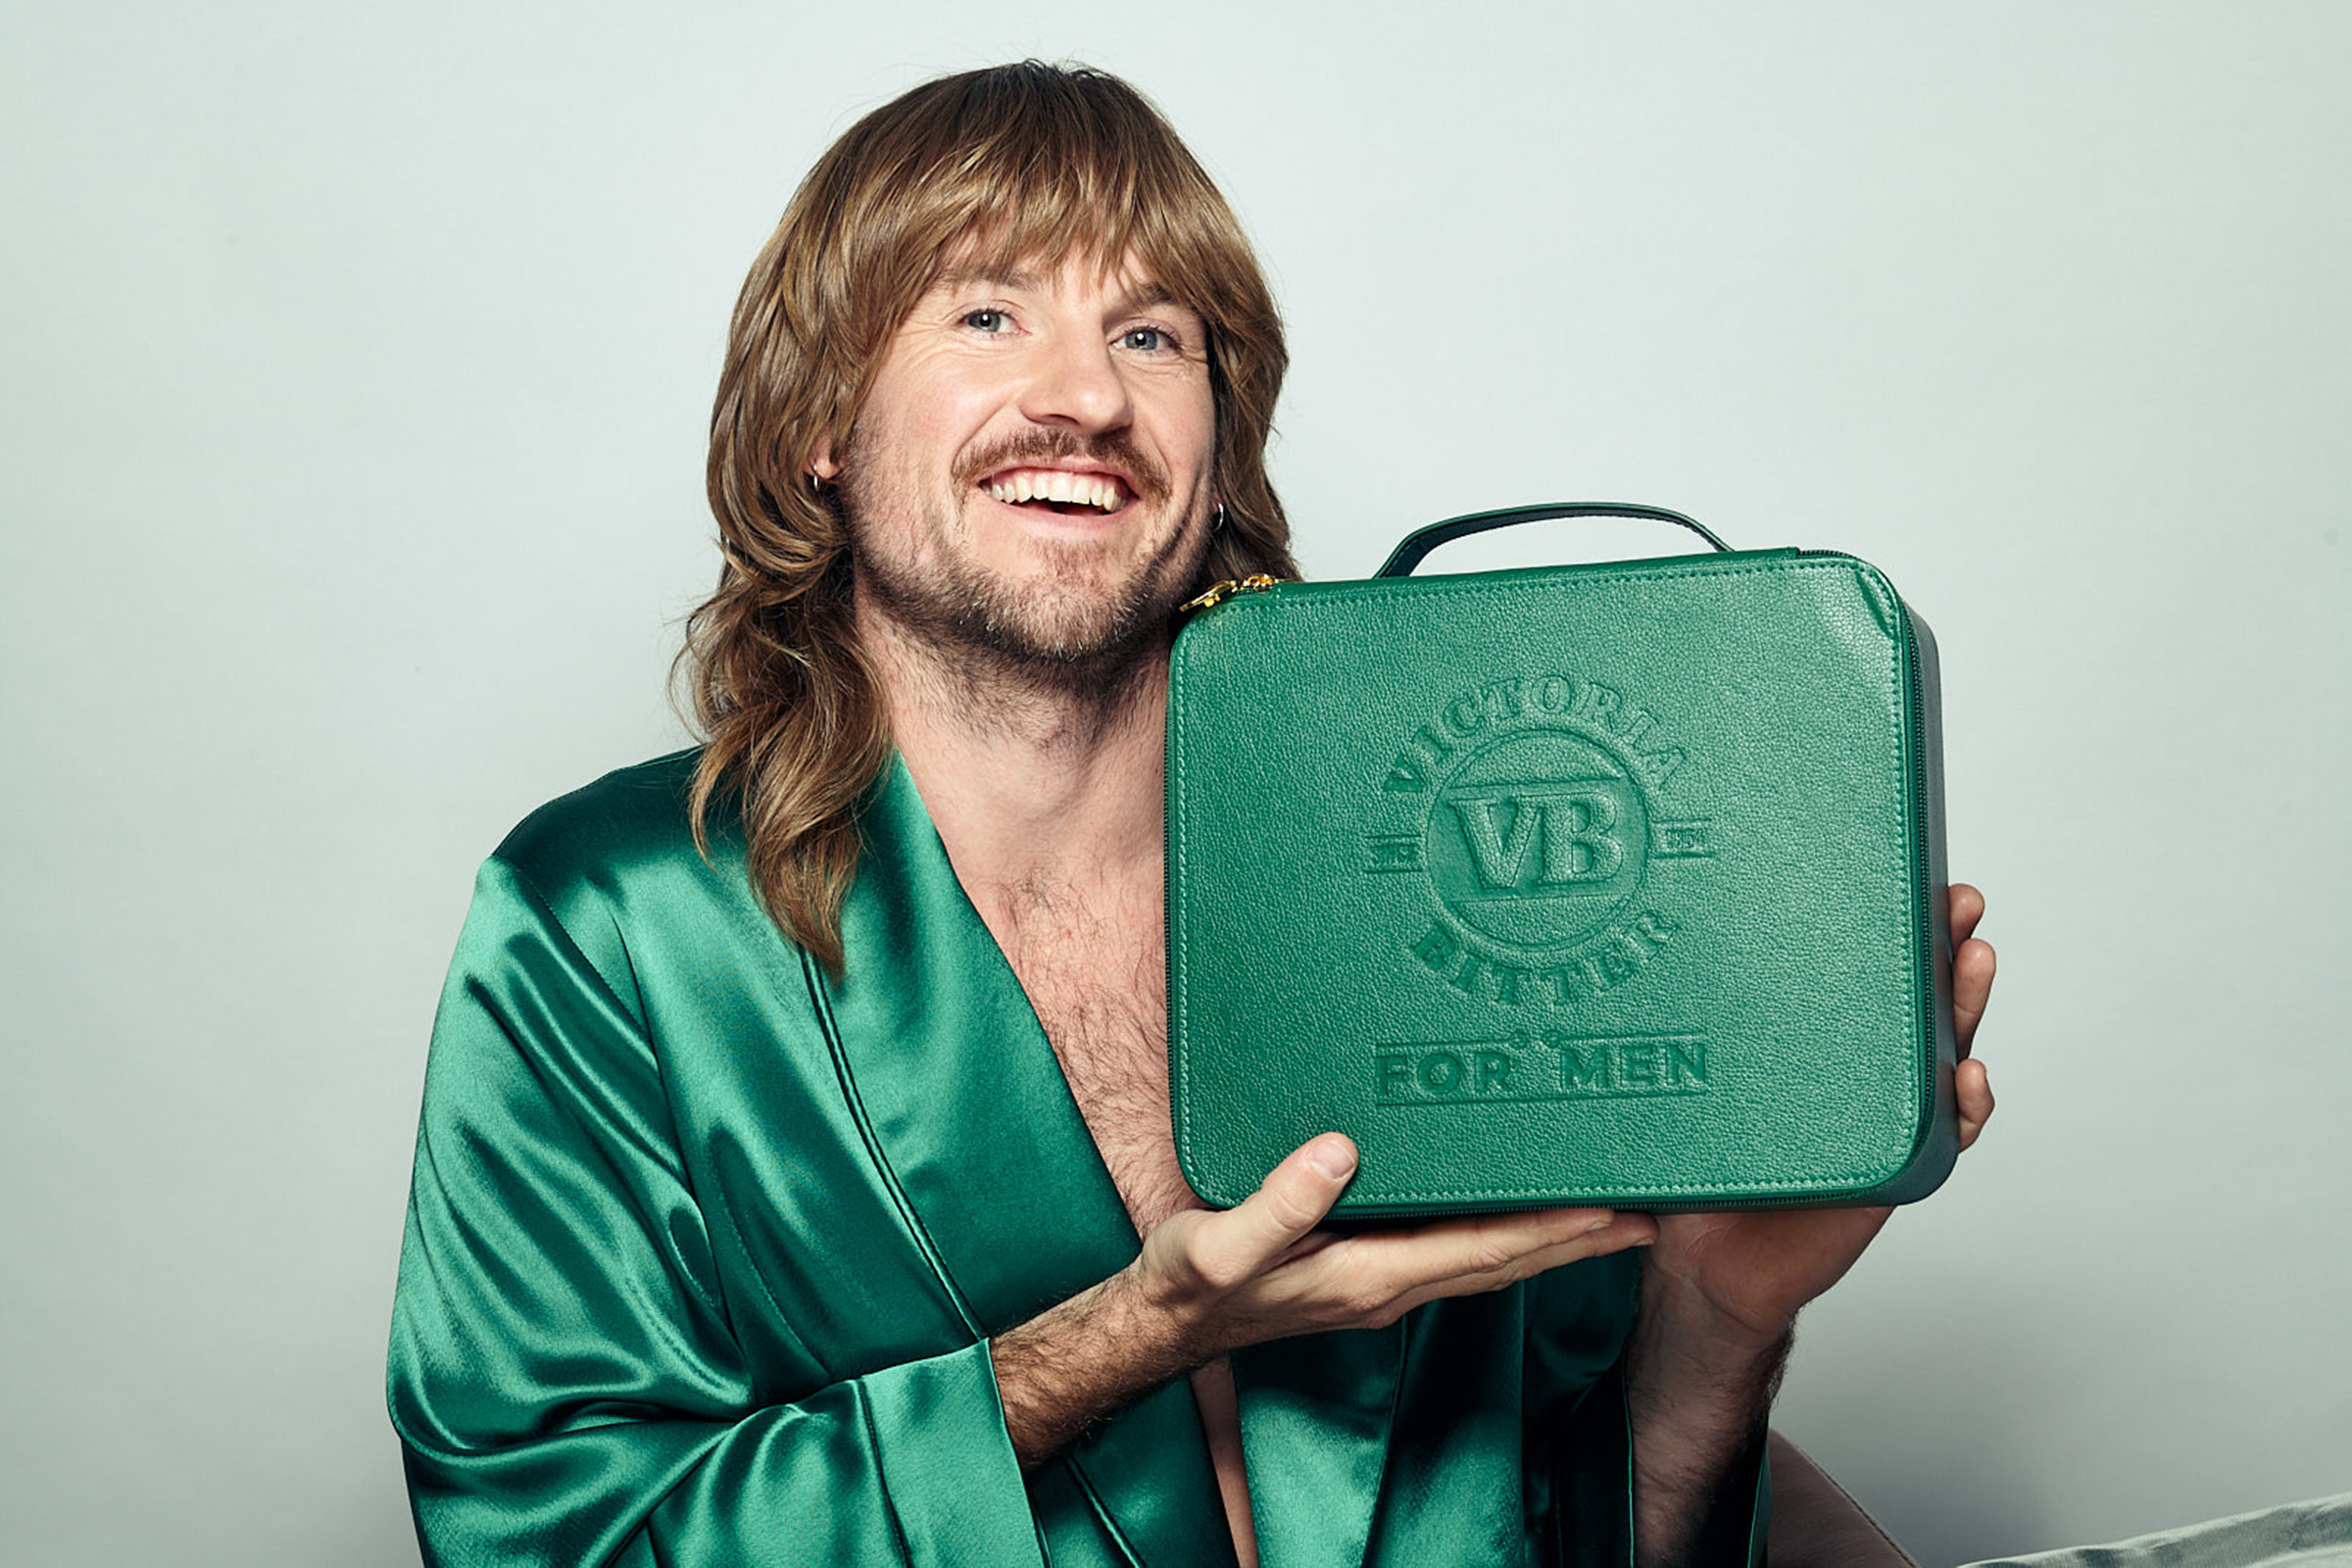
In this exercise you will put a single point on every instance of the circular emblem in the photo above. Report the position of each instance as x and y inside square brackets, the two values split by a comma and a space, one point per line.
[1537, 841]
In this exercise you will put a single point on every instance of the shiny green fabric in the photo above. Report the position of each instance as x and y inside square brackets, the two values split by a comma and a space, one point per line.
[705, 1248]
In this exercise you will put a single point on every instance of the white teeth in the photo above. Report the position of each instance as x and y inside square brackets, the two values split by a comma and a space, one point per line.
[1057, 484]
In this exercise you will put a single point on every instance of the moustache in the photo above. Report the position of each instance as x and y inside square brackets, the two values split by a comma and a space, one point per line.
[1116, 449]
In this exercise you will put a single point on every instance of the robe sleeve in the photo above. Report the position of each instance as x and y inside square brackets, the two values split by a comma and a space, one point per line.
[563, 1375]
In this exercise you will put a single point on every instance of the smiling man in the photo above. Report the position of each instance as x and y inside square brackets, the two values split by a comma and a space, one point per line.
[795, 1182]
[1025, 468]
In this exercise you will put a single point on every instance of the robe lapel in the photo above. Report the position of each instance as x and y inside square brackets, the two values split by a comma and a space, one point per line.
[1316, 1418]
[975, 1122]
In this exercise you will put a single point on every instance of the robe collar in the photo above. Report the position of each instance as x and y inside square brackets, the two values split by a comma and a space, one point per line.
[977, 1126]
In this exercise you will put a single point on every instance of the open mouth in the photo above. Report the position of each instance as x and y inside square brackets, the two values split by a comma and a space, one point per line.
[1060, 491]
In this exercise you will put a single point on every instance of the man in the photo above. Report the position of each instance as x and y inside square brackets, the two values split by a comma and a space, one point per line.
[811, 1199]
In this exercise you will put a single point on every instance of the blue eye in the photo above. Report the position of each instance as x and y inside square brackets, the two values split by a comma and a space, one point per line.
[1146, 340]
[986, 321]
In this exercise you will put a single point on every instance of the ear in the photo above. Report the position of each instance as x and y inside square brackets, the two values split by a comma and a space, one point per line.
[821, 461]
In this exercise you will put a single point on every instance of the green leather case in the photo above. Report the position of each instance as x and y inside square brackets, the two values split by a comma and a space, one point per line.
[1617, 885]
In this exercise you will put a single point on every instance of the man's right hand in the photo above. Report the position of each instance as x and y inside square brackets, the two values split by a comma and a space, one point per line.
[1208, 1282]
[1263, 1270]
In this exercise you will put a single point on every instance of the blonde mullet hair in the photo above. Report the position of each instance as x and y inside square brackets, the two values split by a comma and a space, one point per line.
[1008, 166]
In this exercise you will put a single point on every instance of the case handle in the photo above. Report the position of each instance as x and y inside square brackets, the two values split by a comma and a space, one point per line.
[1421, 541]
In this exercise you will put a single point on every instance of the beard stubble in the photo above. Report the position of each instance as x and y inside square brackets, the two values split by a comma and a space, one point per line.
[1069, 633]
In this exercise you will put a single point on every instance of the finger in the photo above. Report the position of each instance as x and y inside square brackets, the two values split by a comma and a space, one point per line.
[1972, 966]
[1471, 1246]
[1967, 906]
[1611, 1236]
[1287, 1204]
[1306, 1246]
[1971, 1087]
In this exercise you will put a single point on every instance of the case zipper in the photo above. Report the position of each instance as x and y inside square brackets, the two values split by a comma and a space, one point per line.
[1219, 592]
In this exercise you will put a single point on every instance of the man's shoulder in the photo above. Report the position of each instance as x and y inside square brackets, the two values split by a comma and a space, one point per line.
[633, 820]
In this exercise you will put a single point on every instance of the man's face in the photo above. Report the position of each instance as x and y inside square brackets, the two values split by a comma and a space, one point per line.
[1029, 479]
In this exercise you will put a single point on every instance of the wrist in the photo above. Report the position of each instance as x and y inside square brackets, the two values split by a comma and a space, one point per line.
[1163, 1327]
[1680, 1317]
[1078, 1363]
[1167, 1304]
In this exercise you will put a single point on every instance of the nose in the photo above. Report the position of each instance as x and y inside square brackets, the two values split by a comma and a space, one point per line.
[1077, 384]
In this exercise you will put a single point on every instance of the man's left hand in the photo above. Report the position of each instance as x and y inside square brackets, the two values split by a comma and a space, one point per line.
[1744, 1275]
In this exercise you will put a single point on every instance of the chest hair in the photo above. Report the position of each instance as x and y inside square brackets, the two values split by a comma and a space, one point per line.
[1095, 973]
[1096, 970]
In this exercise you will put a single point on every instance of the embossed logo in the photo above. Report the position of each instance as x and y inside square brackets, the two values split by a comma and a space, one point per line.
[1529, 809]
[1454, 1072]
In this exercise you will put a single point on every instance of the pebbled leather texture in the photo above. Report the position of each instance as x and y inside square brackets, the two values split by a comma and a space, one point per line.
[1613, 885]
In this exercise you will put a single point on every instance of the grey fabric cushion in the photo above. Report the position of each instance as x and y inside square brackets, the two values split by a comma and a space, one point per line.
[2298, 1534]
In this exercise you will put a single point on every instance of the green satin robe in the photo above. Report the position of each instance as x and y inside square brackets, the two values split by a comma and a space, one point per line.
[705, 1248]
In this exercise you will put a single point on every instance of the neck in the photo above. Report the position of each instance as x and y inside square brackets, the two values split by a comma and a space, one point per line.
[1036, 780]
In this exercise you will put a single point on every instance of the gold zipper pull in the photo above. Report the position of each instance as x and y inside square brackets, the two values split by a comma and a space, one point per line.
[1219, 592]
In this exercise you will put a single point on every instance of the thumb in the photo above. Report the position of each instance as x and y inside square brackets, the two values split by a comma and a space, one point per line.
[1291, 1201]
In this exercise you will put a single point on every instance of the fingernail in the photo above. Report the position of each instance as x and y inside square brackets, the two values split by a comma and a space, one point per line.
[1332, 1155]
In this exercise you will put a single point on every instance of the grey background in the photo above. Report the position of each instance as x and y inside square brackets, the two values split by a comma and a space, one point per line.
[351, 400]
